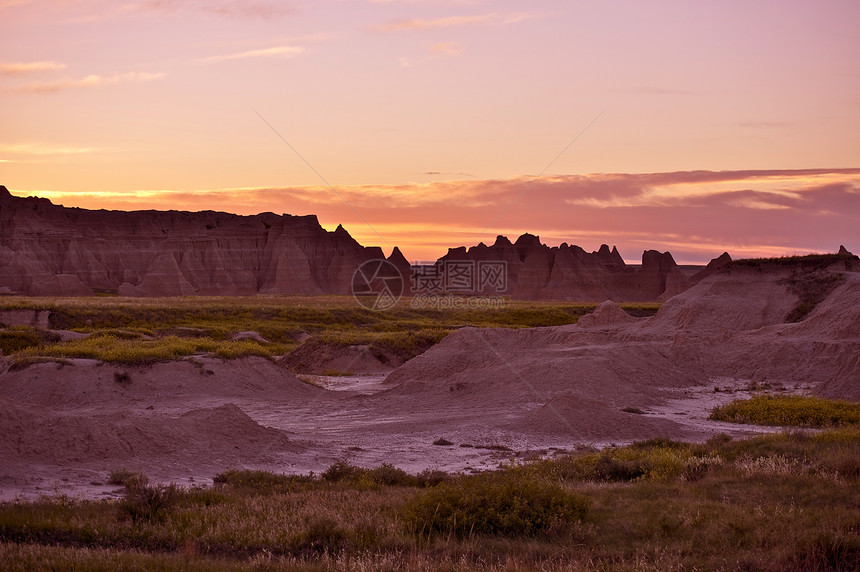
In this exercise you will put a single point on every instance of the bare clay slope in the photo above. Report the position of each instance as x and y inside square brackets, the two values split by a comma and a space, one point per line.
[176, 416]
[577, 380]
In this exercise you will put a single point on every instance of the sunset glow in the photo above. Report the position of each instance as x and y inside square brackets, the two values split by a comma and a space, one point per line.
[690, 127]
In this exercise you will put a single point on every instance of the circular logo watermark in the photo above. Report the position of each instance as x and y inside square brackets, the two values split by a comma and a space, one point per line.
[377, 285]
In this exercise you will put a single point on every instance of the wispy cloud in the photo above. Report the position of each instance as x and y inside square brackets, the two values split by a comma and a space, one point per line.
[446, 48]
[767, 124]
[493, 18]
[273, 52]
[23, 68]
[229, 8]
[12, 3]
[92, 80]
[38, 149]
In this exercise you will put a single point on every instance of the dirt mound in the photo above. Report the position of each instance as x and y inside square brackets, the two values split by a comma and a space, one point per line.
[321, 358]
[215, 435]
[732, 300]
[79, 382]
[607, 313]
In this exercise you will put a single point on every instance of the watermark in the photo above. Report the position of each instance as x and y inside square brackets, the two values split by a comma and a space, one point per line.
[450, 301]
[460, 284]
[377, 285]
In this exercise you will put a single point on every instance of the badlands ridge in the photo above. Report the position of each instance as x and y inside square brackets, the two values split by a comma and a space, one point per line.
[51, 250]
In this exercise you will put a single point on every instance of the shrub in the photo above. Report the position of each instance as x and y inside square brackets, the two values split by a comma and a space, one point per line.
[342, 471]
[143, 501]
[120, 476]
[390, 476]
[18, 339]
[495, 504]
[609, 468]
[433, 477]
[122, 378]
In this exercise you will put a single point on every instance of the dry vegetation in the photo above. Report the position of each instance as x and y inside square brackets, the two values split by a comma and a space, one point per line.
[778, 502]
[789, 410]
[138, 331]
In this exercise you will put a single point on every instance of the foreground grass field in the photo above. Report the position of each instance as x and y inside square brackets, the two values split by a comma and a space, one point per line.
[143, 330]
[778, 502]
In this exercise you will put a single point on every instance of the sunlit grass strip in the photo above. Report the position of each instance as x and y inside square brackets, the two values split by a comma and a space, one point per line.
[789, 410]
[136, 352]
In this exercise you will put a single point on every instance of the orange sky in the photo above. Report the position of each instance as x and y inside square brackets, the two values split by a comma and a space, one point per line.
[446, 122]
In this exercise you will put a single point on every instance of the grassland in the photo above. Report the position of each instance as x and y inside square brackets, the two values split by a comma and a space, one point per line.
[789, 410]
[777, 502]
[143, 330]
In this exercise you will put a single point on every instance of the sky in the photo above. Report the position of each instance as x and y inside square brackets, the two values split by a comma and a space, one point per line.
[694, 127]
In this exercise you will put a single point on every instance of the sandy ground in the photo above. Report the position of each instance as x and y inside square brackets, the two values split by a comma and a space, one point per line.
[496, 395]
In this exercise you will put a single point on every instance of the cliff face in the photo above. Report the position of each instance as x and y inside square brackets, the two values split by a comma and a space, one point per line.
[537, 272]
[50, 250]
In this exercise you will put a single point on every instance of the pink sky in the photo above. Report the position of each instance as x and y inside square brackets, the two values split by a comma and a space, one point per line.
[430, 117]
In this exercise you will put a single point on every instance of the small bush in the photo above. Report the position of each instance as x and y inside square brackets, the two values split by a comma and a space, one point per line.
[120, 476]
[342, 471]
[433, 477]
[496, 504]
[122, 378]
[143, 501]
[390, 476]
[608, 468]
[18, 339]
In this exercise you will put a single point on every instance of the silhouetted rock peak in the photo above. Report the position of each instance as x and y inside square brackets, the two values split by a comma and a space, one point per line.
[397, 257]
[537, 272]
[528, 241]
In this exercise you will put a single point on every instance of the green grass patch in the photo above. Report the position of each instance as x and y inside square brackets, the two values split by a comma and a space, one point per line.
[789, 410]
[143, 330]
[138, 352]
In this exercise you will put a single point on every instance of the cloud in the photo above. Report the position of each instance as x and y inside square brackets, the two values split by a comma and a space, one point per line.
[23, 68]
[696, 215]
[446, 48]
[493, 18]
[19, 150]
[88, 81]
[229, 8]
[767, 124]
[275, 51]
[12, 3]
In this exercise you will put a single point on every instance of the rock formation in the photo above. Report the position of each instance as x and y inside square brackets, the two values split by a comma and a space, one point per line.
[50, 250]
[537, 272]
